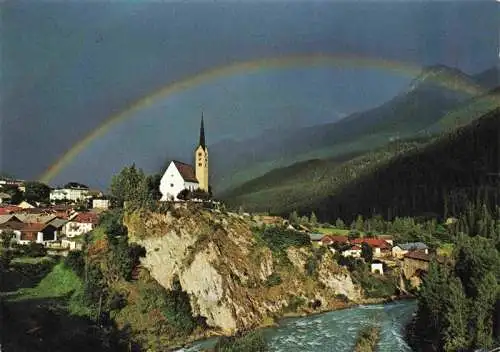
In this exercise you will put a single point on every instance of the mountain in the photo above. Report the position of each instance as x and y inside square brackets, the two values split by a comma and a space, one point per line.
[489, 78]
[405, 177]
[437, 90]
[437, 179]
[309, 182]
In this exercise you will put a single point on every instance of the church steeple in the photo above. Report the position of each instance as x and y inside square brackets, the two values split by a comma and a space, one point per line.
[202, 133]
[201, 159]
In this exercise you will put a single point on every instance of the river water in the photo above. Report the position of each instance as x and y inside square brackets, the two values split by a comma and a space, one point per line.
[337, 331]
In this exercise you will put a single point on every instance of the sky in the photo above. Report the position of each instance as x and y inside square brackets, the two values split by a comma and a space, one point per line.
[67, 67]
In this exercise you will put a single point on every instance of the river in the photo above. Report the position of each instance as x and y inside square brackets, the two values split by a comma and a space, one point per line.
[337, 330]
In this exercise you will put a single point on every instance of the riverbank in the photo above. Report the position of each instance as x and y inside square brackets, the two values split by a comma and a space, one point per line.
[335, 330]
[366, 305]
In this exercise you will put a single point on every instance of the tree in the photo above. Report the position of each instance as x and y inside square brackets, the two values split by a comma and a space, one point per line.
[294, 218]
[360, 225]
[37, 192]
[130, 185]
[6, 237]
[366, 252]
[483, 308]
[184, 194]
[153, 184]
[16, 196]
[313, 220]
[339, 223]
[112, 223]
[456, 317]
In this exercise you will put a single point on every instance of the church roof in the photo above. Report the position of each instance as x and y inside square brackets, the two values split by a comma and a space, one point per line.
[187, 171]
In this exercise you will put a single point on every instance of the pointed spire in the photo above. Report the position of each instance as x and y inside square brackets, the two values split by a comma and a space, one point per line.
[202, 133]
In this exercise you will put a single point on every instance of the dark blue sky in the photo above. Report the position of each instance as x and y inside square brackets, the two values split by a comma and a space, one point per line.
[68, 66]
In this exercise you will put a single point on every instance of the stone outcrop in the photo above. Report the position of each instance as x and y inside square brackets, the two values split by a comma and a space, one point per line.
[226, 271]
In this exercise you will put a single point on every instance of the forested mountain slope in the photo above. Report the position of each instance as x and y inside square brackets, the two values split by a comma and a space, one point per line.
[436, 179]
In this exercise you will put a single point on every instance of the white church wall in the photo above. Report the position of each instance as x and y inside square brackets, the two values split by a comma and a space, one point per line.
[172, 183]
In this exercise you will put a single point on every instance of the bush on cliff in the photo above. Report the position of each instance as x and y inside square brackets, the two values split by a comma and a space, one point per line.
[279, 239]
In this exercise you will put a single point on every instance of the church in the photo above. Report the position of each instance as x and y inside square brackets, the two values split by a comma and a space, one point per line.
[180, 176]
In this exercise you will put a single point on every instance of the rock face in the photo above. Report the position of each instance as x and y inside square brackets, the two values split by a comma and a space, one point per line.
[226, 271]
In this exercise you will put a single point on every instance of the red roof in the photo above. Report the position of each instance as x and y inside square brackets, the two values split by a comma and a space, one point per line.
[87, 218]
[187, 171]
[34, 227]
[12, 225]
[9, 209]
[328, 239]
[372, 242]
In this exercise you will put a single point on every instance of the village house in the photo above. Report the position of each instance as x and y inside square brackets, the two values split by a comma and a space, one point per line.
[13, 183]
[400, 250]
[100, 204]
[416, 263]
[388, 238]
[377, 268]
[9, 209]
[4, 197]
[80, 224]
[380, 247]
[38, 232]
[72, 192]
[330, 240]
[26, 205]
[316, 238]
[180, 176]
[30, 232]
[354, 251]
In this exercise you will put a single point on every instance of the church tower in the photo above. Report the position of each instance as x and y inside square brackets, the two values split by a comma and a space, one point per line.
[201, 159]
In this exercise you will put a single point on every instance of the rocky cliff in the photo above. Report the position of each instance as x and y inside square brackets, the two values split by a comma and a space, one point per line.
[232, 277]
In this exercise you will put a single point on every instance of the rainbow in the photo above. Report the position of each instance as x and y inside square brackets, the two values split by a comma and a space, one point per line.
[315, 60]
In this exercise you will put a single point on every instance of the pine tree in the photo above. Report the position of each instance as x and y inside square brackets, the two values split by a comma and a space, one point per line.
[456, 317]
[339, 223]
[484, 306]
[359, 223]
[313, 220]
[294, 218]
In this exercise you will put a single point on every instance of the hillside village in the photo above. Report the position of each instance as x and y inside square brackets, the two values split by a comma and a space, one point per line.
[75, 209]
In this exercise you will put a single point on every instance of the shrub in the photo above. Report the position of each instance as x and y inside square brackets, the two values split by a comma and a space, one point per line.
[279, 239]
[34, 250]
[75, 262]
[367, 339]
[295, 303]
[250, 342]
[273, 280]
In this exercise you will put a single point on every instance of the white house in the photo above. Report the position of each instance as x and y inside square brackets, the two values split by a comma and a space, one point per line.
[377, 268]
[71, 193]
[81, 224]
[100, 203]
[177, 177]
[401, 249]
[4, 197]
[354, 251]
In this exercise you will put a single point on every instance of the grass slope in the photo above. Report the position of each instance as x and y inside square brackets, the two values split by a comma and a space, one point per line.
[58, 283]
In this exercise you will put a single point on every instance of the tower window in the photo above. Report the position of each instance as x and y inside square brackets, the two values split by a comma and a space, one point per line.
[199, 164]
[171, 185]
[199, 153]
